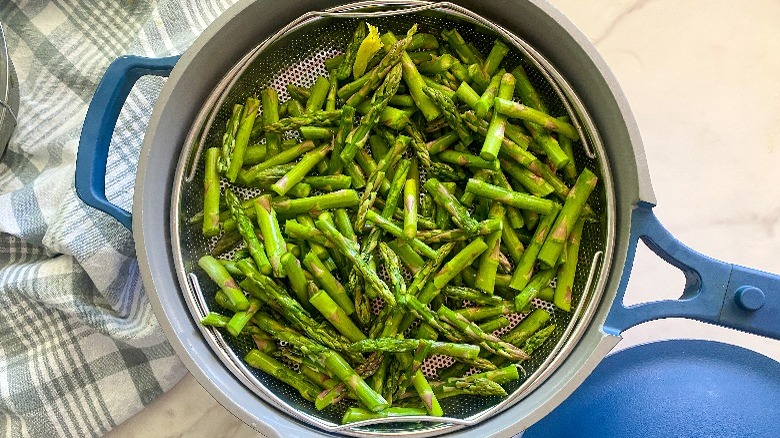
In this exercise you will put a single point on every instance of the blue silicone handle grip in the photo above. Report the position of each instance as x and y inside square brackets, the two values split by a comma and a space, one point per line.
[715, 292]
[99, 125]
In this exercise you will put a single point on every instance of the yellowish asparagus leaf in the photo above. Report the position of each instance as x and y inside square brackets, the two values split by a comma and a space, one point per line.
[370, 45]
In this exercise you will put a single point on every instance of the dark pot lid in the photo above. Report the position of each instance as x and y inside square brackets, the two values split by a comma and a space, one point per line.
[681, 388]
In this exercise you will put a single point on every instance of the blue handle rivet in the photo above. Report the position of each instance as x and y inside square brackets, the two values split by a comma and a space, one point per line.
[750, 298]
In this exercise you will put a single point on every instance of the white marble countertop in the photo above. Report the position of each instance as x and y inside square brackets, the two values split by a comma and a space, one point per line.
[701, 78]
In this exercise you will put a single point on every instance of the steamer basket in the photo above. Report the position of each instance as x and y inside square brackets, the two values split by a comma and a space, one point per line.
[296, 55]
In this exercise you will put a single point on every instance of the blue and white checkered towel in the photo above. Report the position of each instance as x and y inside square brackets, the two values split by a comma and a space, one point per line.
[80, 348]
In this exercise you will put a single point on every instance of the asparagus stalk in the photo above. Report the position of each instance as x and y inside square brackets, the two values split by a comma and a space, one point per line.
[329, 358]
[520, 111]
[535, 184]
[494, 58]
[471, 330]
[329, 283]
[515, 199]
[566, 272]
[226, 283]
[525, 267]
[460, 293]
[486, 312]
[240, 319]
[390, 227]
[450, 113]
[284, 157]
[488, 261]
[564, 224]
[297, 278]
[495, 324]
[344, 69]
[458, 44]
[392, 345]
[329, 183]
[427, 395]
[273, 240]
[411, 196]
[247, 231]
[569, 170]
[486, 227]
[336, 315]
[242, 138]
[316, 204]
[409, 257]
[449, 202]
[531, 290]
[229, 138]
[318, 95]
[495, 131]
[357, 137]
[297, 173]
[211, 193]
[388, 63]
[538, 339]
[352, 252]
[485, 101]
[317, 118]
[273, 140]
[468, 160]
[257, 359]
[527, 327]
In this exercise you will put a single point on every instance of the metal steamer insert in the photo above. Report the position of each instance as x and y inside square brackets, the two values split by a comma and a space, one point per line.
[296, 55]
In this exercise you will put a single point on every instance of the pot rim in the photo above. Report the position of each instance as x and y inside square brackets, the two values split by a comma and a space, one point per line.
[174, 314]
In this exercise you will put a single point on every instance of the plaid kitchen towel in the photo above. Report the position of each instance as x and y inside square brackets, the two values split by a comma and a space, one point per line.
[80, 348]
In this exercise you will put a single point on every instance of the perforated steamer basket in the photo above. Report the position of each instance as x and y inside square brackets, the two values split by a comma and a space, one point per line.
[245, 50]
[296, 55]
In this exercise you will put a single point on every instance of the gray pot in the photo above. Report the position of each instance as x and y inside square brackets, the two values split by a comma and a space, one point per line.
[716, 292]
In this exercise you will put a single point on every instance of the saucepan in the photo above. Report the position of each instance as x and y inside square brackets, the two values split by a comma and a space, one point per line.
[247, 47]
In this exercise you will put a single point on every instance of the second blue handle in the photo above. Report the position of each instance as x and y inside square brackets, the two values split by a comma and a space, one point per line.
[715, 292]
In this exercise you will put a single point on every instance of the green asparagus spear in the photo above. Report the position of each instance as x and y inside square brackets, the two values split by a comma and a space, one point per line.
[531, 290]
[229, 139]
[266, 363]
[565, 283]
[445, 199]
[242, 138]
[352, 252]
[488, 261]
[357, 137]
[247, 231]
[226, 283]
[273, 240]
[316, 204]
[495, 131]
[336, 315]
[391, 345]
[329, 283]
[515, 199]
[211, 194]
[411, 196]
[319, 93]
[520, 111]
[566, 220]
[344, 69]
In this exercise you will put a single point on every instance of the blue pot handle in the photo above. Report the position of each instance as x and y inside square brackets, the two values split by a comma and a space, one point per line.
[99, 124]
[715, 292]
